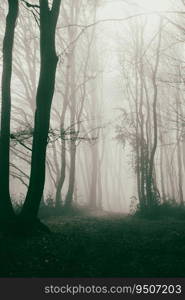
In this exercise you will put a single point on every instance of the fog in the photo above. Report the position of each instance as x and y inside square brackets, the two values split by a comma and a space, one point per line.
[118, 103]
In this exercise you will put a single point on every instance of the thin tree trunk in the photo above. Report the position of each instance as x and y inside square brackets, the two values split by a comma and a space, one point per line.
[179, 159]
[58, 197]
[69, 196]
[161, 159]
[94, 177]
[150, 196]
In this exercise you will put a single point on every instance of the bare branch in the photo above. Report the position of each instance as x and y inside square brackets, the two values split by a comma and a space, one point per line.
[29, 5]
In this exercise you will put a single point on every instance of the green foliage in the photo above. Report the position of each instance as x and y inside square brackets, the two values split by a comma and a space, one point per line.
[48, 209]
[17, 204]
[169, 209]
[134, 205]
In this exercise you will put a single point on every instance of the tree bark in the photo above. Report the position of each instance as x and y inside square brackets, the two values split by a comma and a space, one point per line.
[45, 91]
[150, 194]
[179, 158]
[69, 196]
[58, 197]
[94, 177]
[6, 209]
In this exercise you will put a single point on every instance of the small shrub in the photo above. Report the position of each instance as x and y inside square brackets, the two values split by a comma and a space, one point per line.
[169, 209]
[48, 209]
[17, 204]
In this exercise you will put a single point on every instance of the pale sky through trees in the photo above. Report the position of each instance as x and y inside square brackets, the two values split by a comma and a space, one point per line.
[104, 64]
[92, 146]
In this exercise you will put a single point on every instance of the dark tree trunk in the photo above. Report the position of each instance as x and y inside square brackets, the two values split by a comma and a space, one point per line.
[58, 198]
[61, 180]
[94, 177]
[45, 91]
[69, 196]
[6, 209]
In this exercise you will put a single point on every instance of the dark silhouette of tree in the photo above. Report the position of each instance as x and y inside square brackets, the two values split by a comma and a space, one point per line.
[6, 210]
[45, 91]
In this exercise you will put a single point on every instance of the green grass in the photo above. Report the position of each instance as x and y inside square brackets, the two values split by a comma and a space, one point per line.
[108, 246]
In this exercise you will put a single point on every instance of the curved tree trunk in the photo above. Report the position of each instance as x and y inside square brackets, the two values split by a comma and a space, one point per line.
[69, 196]
[45, 91]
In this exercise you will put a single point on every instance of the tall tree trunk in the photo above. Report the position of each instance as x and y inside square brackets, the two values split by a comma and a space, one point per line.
[150, 194]
[179, 159]
[161, 162]
[58, 197]
[73, 110]
[45, 91]
[6, 209]
[139, 151]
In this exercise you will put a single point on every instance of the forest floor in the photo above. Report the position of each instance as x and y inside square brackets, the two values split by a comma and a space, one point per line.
[106, 246]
